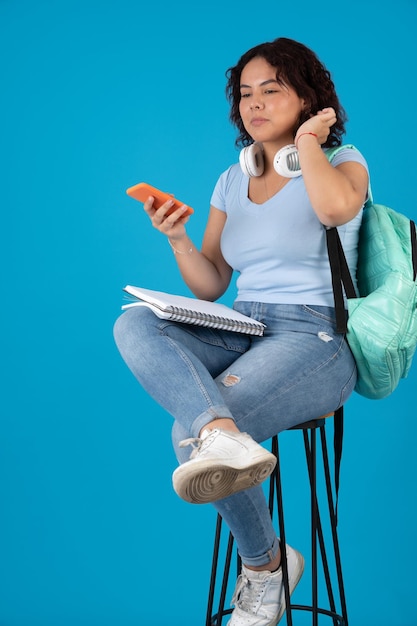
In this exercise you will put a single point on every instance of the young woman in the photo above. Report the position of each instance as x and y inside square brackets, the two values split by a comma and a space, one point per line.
[228, 391]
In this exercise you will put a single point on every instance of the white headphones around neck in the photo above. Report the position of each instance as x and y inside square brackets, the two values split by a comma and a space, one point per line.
[286, 162]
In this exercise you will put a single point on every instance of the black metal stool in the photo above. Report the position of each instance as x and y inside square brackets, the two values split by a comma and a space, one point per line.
[339, 616]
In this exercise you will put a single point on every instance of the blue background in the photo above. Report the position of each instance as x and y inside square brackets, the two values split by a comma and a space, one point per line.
[97, 96]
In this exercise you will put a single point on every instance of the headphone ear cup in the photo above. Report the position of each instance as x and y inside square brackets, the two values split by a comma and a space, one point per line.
[286, 162]
[251, 160]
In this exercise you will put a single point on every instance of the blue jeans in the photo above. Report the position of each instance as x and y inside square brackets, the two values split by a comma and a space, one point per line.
[299, 370]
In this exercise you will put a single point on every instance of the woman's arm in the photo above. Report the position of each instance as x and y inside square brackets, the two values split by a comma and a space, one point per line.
[336, 193]
[206, 273]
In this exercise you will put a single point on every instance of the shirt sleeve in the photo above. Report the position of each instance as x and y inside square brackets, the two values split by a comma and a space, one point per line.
[218, 197]
[349, 154]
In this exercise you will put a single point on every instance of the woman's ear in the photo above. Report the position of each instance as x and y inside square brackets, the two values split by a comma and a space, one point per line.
[306, 112]
[304, 116]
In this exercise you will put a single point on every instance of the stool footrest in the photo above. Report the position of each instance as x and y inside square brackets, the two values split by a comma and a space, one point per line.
[332, 614]
[294, 607]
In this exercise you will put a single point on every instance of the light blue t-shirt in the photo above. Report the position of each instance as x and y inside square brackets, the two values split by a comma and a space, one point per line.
[279, 247]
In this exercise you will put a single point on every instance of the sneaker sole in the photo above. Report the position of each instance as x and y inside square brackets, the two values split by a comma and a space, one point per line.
[217, 481]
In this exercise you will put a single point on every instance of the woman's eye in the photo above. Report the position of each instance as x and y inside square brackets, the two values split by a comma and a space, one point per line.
[244, 95]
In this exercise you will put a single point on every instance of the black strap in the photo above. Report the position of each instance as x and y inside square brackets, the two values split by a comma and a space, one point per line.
[413, 248]
[338, 446]
[336, 270]
[341, 277]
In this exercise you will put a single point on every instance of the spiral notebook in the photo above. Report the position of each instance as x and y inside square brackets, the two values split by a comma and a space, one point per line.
[193, 311]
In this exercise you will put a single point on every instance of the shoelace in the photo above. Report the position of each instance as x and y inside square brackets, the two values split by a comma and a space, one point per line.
[198, 444]
[247, 593]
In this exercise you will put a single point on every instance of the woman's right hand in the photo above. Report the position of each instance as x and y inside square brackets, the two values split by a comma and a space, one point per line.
[170, 224]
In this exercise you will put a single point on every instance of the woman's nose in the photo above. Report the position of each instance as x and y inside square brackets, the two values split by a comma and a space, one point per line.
[256, 104]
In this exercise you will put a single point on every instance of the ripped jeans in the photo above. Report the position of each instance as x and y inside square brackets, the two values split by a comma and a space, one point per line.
[299, 370]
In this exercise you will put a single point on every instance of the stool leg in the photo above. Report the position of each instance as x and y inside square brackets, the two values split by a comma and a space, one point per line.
[221, 611]
[216, 620]
[332, 516]
[321, 538]
[283, 543]
[313, 492]
[333, 522]
[214, 570]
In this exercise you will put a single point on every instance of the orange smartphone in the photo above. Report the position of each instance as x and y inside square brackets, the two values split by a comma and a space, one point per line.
[142, 191]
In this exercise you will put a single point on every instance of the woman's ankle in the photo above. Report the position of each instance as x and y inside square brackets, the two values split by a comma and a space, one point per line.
[224, 423]
[272, 566]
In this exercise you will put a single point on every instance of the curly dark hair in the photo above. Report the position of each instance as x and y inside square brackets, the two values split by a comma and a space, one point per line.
[296, 66]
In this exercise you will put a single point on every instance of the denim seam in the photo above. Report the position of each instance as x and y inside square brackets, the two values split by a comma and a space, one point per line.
[219, 342]
[318, 314]
[295, 382]
[347, 385]
[319, 366]
[269, 553]
[192, 369]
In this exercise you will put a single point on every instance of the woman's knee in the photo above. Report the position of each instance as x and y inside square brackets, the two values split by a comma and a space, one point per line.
[131, 323]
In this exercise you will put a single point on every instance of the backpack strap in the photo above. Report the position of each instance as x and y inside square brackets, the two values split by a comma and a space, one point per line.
[338, 446]
[413, 248]
[341, 277]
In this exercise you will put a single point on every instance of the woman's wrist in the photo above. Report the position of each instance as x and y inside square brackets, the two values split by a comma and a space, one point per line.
[179, 247]
[304, 134]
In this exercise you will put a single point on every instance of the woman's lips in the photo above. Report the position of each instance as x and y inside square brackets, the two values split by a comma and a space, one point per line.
[258, 121]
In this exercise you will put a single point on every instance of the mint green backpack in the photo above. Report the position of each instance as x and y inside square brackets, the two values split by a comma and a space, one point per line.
[381, 325]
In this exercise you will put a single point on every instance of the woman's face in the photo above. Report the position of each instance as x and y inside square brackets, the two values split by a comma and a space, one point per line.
[269, 111]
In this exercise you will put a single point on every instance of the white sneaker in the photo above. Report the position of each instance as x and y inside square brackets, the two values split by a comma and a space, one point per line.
[222, 463]
[259, 597]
